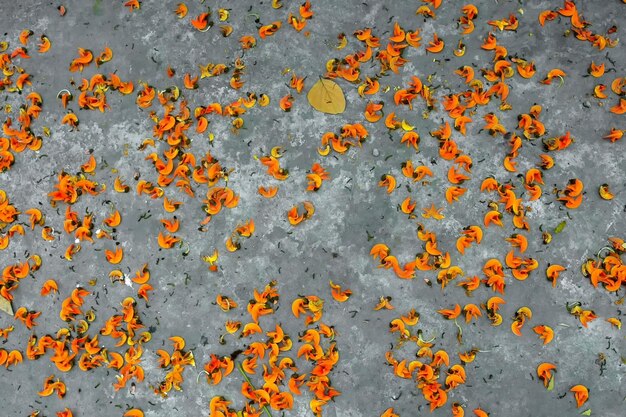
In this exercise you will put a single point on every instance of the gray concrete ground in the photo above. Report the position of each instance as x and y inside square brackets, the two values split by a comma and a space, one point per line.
[352, 212]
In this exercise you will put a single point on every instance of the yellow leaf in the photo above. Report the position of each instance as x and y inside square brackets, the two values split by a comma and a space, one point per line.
[326, 96]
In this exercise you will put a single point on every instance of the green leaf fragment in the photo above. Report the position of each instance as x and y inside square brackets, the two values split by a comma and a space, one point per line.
[560, 227]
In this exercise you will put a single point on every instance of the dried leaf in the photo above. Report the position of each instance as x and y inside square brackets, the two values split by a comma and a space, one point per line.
[326, 96]
[5, 305]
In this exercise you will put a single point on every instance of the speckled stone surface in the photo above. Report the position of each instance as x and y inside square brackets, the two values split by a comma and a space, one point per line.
[352, 211]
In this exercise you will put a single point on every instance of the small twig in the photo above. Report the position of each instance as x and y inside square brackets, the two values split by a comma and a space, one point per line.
[610, 249]
[419, 338]
[65, 90]
[460, 336]
[200, 373]
[245, 376]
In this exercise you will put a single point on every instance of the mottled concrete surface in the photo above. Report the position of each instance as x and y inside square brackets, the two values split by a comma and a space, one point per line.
[352, 212]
